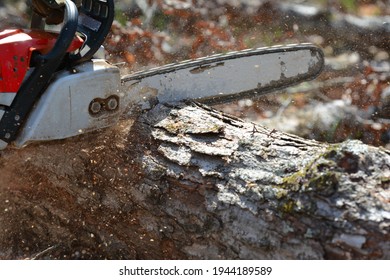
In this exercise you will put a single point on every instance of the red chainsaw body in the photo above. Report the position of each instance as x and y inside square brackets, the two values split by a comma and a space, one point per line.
[16, 49]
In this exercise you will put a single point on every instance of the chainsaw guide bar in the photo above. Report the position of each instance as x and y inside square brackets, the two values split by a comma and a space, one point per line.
[235, 75]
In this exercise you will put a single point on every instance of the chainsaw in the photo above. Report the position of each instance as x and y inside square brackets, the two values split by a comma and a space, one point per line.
[55, 85]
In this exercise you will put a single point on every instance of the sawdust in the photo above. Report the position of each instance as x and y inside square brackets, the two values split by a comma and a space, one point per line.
[60, 198]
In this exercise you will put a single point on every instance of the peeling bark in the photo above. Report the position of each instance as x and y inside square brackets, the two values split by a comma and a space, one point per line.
[189, 182]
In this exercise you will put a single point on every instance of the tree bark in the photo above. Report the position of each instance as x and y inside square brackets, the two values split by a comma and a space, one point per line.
[187, 182]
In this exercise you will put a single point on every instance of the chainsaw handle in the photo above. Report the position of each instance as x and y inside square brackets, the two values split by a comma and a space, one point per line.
[66, 36]
[95, 20]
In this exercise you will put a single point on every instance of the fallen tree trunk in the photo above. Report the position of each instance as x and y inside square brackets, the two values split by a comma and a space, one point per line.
[189, 182]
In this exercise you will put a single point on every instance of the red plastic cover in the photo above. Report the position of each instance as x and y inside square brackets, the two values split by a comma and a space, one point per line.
[16, 48]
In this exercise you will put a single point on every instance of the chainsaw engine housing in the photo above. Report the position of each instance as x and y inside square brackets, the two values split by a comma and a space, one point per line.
[17, 47]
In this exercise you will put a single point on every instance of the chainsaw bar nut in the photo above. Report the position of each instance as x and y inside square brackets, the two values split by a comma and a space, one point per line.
[95, 107]
[112, 103]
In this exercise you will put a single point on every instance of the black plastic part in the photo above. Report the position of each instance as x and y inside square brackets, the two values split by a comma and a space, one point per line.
[95, 20]
[37, 21]
[33, 87]
[94, 23]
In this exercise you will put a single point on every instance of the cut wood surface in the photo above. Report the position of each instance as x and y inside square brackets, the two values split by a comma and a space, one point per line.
[185, 181]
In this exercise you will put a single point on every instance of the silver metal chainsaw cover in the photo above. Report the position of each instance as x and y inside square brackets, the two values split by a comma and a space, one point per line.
[77, 101]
